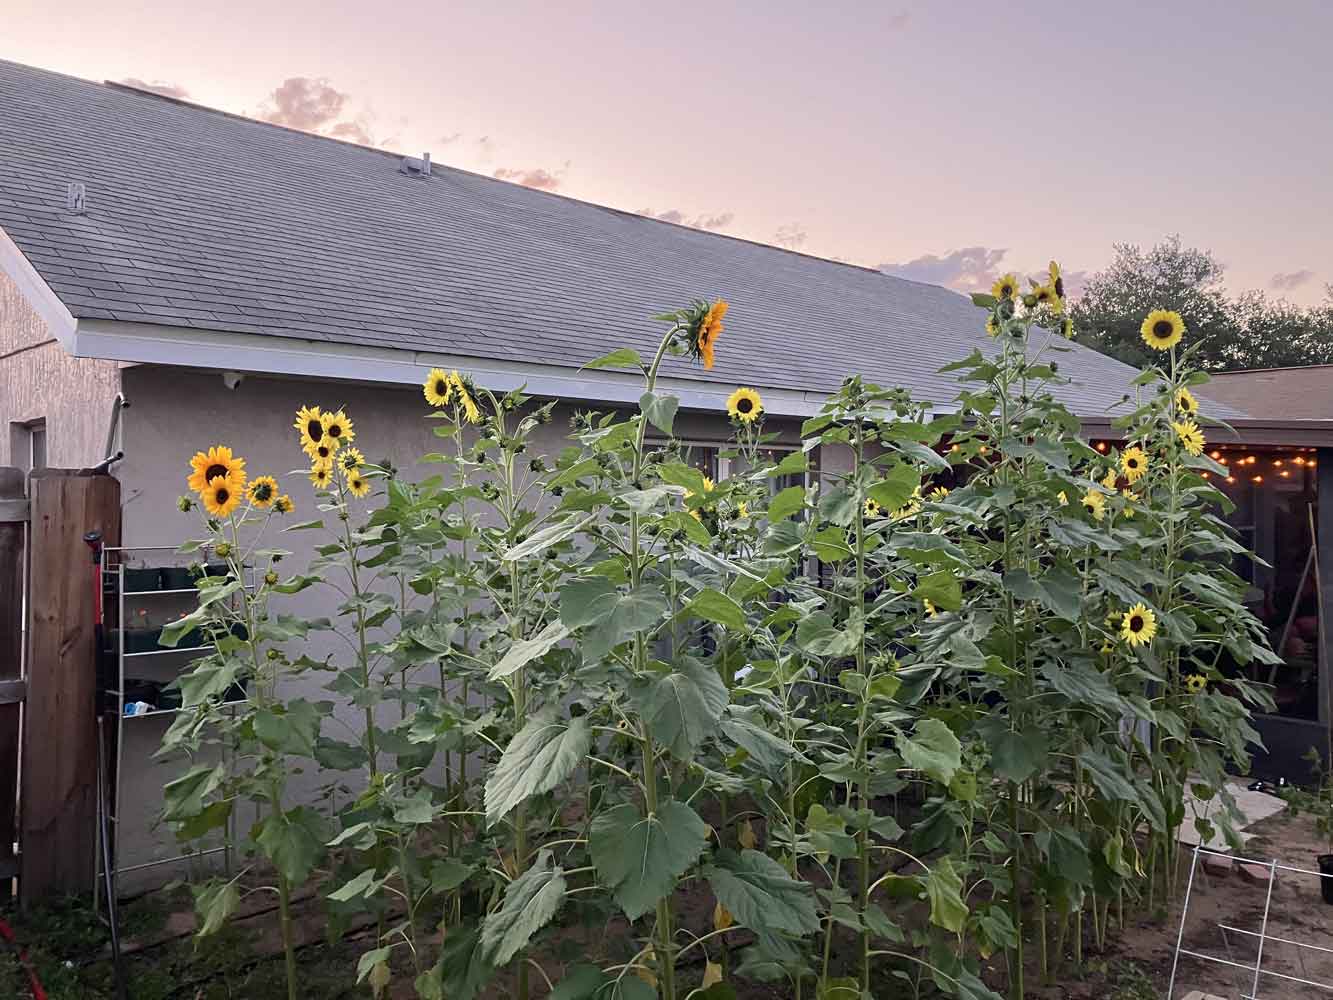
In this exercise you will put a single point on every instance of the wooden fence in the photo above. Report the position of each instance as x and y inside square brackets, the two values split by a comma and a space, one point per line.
[53, 753]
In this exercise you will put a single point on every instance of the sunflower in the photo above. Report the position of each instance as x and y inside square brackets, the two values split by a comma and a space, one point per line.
[742, 509]
[217, 461]
[1195, 683]
[707, 332]
[1162, 329]
[321, 475]
[263, 491]
[322, 451]
[463, 386]
[745, 405]
[1186, 404]
[1134, 460]
[1057, 283]
[1138, 625]
[992, 327]
[357, 485]
[1063, 497]
[221, 496]
[939, 493]
[872, 508]
[911, 508]
[1005, 287]
[1067, 328]
[438, 387]
[1131, 498]
[1044, 295]
[310, 422]
[350, 461]
[1191, 438]
[929, 605]
[1109, 480]
[1095, 502]
[283, 505]
[338, 428]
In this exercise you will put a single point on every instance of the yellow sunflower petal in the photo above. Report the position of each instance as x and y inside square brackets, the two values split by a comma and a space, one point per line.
[1162, 329]
[745, 405]
[437, 388]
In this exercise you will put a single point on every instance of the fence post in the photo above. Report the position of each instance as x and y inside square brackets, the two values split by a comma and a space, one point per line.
[59, 785]
[13, 518]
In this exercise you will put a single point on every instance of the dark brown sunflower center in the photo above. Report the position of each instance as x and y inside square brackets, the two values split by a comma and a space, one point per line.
[315, 429]
[1060, 286]
[263, 491]
[744, 405]
[1006, 290]
[1162, 328]
[323, 451]
[1133, 463]
[335, 431]
[213, 471]
[441, 387]
[1136, 623]
[222, 495]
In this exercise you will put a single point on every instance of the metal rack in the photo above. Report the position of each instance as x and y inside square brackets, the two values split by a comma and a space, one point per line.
[113, 573]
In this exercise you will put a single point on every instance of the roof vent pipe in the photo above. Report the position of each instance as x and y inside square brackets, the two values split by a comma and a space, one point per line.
[425, 163]
[75, 198]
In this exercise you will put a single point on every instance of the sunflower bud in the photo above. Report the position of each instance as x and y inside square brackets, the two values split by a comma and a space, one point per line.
[184, 504]
[270, 578]
[223, 549]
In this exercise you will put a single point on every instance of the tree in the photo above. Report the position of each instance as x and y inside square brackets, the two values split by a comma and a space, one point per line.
[1248, 331]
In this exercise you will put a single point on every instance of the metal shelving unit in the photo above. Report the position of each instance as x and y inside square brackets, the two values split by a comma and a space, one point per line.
[113, 574]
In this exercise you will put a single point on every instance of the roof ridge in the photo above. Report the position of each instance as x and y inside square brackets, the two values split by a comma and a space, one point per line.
[1279, 368]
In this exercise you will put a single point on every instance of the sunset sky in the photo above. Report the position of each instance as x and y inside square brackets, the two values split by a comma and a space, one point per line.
[939, 140]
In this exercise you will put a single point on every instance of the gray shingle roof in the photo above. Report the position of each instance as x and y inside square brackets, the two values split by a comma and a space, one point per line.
[198, 218]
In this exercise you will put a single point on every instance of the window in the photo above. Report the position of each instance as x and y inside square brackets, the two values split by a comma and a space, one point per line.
[27, 445]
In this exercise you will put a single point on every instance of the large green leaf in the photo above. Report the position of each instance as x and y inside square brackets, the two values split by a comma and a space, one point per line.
[895, 489]
[682, 707]
[944, 889]
[1109, 777]
[463, 968]
[542, 540]
[294, 841]
[932, 748]
[1016, 756]
[819, 636]
[530, 901]
[941, 588]
[214, 902]
[760, 893]
[640, 857]
[616, 614]
[660, 410]
[786, 503]
[185, 795]
[524, 651]
[624, 357]
[716, 606]
[293, 729]
[541, 755]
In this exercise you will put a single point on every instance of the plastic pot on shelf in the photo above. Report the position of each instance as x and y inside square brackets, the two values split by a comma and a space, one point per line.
[140, 579]
[177, 578]
[142, 640]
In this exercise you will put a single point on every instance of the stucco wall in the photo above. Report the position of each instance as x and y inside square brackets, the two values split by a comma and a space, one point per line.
[39, 381]
[171, 415]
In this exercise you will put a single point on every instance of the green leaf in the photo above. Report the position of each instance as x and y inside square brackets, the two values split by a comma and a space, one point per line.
[640, 857]
[624, 357]
[294, 841]
[941, 588]
[983, 300]
[524, 651]
[616, 613]
[1108, 776]
[682, 707]
[530, 901]
[185, 795]
[449, 873]
[794, 464]
[818, 636]
[944, 889]
[686, 476]
[715, 606]
[293, 729]
[580, 982]
[896, 488]
[761, 895]
[1017, 756]
[933, 749]
[542, 540]
[786, 503]
[357, 886]
[541, 755]
[463, 966]
[660, 410]
[214, 902]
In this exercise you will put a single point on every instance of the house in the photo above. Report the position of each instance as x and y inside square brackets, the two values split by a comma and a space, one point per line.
[215, 273]
[1292, 393]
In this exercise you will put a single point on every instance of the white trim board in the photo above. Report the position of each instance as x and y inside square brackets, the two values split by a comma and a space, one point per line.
[147, 343]
[36, 292]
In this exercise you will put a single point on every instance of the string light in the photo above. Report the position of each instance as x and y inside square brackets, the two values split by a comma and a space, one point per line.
[1257, 479]
[1101, 445]
[1284, 473]
[1231, 479]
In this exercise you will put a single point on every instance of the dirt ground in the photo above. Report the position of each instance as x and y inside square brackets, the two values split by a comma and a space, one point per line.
[1223, 920]
[69, 944]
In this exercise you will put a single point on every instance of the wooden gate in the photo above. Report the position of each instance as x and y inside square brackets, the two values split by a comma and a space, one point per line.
[48, 677]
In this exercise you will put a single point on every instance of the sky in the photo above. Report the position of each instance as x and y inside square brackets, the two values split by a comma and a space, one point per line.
[943, 141]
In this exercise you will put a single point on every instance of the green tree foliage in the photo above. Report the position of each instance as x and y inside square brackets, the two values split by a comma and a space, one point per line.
[1250, 330]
